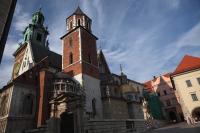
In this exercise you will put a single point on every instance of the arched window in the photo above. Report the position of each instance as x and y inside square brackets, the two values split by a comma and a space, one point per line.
[79, 22]
[94, 107]
[26, 37]
[70, 42]
[70, 58]
[28, 104]
[88, 25]
[70, 25]
[3, 104]
[89, 59]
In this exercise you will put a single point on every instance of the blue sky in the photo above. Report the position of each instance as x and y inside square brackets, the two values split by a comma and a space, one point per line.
[148, 37]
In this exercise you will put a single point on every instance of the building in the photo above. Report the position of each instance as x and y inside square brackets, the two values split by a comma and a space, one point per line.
[162, 87]
[56, 93]
[121, 97]
[186, 80]
[7, 8]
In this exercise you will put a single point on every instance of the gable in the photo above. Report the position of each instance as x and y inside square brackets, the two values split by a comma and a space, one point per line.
[27, 61]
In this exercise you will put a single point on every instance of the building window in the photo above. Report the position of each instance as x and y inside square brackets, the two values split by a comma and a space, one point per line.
[70, 25]
[194, 97]
[79, 22]
[188, 82]
[165, 92]
[129, 97]
[88, 25]
[136, 97]
[168, 103]
[26, 36]
[94, 107]
[198, 80]
[28, 104]
[89, 59]
[70, 58]
[39, 20]
[39, 37]
[70, 42]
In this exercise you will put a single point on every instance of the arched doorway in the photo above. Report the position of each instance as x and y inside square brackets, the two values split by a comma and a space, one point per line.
[196, 114]
[67, 123]
[172, 116]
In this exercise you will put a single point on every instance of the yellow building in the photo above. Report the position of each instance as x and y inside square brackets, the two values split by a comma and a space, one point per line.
[186, 80]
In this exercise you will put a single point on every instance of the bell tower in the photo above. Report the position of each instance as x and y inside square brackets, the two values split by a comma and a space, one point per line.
[36, 32]
[80, 59]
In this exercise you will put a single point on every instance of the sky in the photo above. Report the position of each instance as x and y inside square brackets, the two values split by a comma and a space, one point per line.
[148, 37]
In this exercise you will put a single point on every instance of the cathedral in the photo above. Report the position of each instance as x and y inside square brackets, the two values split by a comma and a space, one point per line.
[70, 93]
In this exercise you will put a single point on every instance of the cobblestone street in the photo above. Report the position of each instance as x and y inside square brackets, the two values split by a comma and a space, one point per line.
[178, 128]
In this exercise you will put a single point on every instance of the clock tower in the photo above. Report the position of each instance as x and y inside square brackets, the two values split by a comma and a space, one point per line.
[34, 34]
[79, 59]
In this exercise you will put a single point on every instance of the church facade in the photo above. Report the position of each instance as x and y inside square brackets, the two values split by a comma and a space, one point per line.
[74, 92]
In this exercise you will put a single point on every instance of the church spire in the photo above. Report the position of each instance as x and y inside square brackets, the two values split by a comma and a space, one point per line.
[36, 32]
[78, 19]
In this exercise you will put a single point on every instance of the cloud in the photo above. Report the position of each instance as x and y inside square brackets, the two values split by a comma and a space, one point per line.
[22, 19]
[7, 62]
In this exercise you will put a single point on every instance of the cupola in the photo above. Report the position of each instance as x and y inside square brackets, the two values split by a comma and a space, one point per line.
[77, 19]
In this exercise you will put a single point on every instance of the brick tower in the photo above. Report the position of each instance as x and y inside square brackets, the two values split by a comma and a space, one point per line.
[80, 59]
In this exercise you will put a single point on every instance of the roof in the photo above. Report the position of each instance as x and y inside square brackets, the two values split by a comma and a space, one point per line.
[188, 63]
[148, 85]
[78, 11]
[40, 52]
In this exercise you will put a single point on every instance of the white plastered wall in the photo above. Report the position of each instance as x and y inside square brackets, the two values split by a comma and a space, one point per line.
[185, 92]
[92, 90]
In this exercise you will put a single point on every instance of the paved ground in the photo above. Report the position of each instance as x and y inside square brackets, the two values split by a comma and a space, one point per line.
[178, 128]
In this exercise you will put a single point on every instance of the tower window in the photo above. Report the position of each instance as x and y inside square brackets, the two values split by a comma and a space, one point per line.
[79, 22]
[26, 37]
[70, 25]
[89, 59]
[39, 37]
[70, 58]
[70, 42]
[88, 25]
[39, 20]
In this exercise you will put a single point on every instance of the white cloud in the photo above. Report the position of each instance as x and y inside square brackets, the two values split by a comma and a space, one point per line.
[7, 62]
[22, 18]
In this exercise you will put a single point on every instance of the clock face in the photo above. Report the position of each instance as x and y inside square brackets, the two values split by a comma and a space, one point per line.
[16, 69]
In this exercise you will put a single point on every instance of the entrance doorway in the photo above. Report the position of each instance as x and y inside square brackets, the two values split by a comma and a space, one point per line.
[172, 116]
[67, 123]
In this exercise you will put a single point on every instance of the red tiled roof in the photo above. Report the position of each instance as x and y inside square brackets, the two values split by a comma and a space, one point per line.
[148, 85]
[187, 63]
[167, 75]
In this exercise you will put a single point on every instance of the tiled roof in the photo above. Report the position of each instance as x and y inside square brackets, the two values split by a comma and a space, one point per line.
[148, 85]
[78, 11]
[187, 63]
